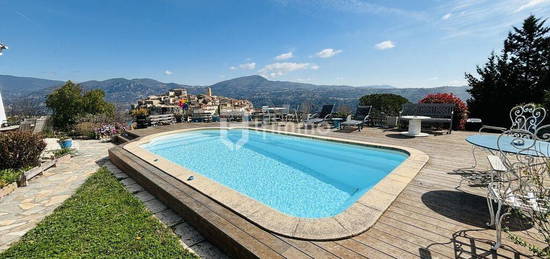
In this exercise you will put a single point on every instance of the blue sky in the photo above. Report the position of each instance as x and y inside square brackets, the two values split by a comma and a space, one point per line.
[421, 43]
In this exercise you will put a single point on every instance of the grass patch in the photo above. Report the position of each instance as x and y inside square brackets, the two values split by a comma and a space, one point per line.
[8, 176]
[61, 152]
[102, 219]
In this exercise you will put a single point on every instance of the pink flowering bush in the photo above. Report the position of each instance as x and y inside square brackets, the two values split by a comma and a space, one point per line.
[108, 130]
[460, 111]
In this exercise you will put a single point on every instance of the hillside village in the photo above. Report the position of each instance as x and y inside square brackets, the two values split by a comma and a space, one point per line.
[179, 101]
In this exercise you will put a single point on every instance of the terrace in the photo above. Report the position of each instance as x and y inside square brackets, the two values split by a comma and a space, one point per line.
[436, 215]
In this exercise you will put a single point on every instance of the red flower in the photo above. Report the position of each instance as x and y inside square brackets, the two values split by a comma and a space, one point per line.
[460, 112]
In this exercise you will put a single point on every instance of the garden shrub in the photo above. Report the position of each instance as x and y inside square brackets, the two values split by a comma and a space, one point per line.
[86, 129]
[389, 104]
[8, 176]
[20, 149]
[460, 111]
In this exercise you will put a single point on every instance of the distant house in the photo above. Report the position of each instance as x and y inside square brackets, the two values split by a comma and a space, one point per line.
[201, 103]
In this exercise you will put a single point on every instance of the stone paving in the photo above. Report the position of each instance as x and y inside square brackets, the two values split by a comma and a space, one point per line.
[189, 237]
[24, 208]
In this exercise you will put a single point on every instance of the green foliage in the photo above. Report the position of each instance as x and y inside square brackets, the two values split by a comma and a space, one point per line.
[62, 152]
[389, 104]
[93, 102]
[520, 74]
[102, 219]
[8, 176]
[69, 103]
[20, 149]
[66, 104]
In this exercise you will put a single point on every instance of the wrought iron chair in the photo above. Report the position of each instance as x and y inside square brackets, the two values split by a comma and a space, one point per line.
[526, 117]
[517, 182]
[525, 121]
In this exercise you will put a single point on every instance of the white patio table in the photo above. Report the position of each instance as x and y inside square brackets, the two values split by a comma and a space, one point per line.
[415, 126]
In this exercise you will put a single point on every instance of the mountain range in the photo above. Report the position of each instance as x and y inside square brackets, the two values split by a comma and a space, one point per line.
[261, 91]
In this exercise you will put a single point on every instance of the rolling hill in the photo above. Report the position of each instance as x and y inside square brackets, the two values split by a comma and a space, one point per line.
[257, 89]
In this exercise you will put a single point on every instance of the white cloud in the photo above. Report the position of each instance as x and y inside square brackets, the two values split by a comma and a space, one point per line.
[248, 66]
[530, 4]
[385, 45]
[447, 16]
[284, 56]
[328, 53]
[281, 68]
[245, 66]
[486, 18]
[168, 72]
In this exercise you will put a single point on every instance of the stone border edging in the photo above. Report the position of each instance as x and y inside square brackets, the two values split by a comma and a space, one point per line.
[355, 220]
[26, 176]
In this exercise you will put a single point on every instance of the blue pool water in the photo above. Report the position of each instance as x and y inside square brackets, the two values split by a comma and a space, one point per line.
[298, 176]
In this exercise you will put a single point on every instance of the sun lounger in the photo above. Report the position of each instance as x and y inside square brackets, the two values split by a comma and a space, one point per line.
[361, 117]
[317, 119]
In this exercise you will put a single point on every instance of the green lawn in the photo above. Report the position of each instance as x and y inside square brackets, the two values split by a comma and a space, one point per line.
[101, 219]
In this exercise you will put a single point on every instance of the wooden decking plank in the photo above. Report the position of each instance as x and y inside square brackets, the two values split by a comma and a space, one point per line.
[338, 250]
[374, 241]
[363, 249]
[406, 241]
[413, 228]
[292, 252]
[451, 228]
[309, 248]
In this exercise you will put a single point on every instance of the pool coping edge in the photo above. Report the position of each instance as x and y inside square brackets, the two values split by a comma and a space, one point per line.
[356, 219]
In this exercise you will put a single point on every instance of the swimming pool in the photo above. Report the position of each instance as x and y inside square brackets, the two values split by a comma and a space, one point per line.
[303, 186]
[300, 177]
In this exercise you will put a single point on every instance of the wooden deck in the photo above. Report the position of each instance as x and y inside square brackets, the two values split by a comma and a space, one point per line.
[431, 218]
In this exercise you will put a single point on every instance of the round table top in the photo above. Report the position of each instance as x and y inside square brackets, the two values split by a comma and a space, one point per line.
[504, 143]
[415, 117]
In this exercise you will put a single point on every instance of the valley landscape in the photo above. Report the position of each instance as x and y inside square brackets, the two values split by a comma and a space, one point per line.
[261, 91]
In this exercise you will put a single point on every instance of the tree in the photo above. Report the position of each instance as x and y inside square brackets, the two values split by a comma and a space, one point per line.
[520, 74]
[93, 103]
[68, 103]
[389, 104]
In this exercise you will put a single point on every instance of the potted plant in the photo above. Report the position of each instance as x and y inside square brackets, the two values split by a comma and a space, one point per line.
[65, 142]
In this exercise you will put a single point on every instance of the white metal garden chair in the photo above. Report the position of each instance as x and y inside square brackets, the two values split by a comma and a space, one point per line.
[525, 122]
[517, 181]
